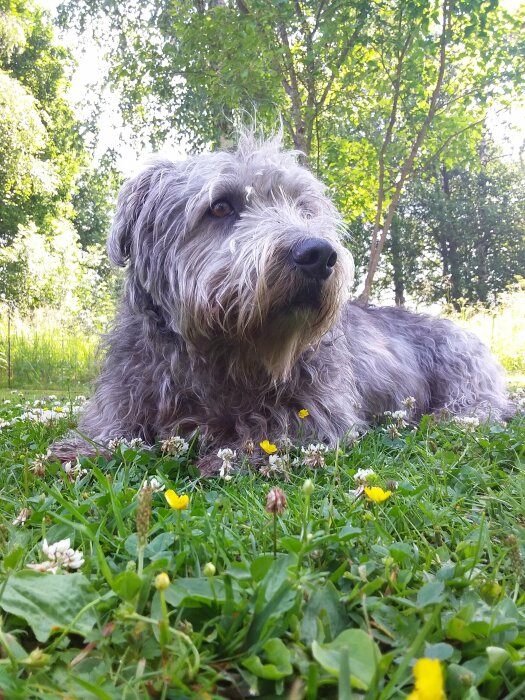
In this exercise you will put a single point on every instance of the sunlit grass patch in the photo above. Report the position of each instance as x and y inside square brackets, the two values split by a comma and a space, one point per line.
[502, 327]
[43, 350]
[183, 597]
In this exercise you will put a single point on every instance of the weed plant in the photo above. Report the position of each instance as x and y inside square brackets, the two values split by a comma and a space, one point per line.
[162, 596]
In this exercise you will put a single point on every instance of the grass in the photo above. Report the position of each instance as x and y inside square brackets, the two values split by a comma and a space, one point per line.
[45, 351]
[356, 592]
[501, 327]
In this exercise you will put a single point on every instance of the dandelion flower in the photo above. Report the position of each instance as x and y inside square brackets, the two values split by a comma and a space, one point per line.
[303, 413]
[429, 684]
[177, 502]
[376, 494]
[268, 447]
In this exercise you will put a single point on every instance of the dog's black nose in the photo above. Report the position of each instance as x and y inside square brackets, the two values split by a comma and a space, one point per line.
[315, 257]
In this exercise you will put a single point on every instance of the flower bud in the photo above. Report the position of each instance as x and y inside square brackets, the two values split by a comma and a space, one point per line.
[308, 487]
[162, 581]
[209, 569]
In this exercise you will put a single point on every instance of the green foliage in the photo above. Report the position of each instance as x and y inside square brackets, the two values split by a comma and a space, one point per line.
[41, 144]
[94, 200]
[461, 232]
[500, 326]
[48, 349]
[358, 591]
[370, 93]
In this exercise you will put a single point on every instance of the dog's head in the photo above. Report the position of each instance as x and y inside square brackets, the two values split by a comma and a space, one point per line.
[238, 249]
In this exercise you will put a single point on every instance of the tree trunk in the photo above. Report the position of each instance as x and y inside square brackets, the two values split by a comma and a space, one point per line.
[397, 262]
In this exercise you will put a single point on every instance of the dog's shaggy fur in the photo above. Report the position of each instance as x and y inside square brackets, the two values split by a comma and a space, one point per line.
[229, 324]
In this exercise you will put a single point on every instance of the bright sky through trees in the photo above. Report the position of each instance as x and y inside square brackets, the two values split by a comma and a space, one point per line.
[508, 129]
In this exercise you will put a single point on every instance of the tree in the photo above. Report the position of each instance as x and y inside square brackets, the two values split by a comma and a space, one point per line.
[463, 231]
[94, 200]
[373, 90]
[39, 140]
[42, 261]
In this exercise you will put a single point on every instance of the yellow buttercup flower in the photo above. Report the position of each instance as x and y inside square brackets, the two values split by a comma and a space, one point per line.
[303, 413]
[268, 447]
[429, 683]
[176, 502]
[376, 494]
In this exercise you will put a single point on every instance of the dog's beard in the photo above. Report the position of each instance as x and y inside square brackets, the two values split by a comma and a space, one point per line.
[262, 322]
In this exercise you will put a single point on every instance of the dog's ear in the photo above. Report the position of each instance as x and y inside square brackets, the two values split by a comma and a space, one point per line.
[130, 204]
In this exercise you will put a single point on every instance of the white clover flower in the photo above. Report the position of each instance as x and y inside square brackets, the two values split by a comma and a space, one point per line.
[133, 443]
[174, 446]
[227, 455]
[285, 443]
[393, 432]
[276, 464]
[7, 402]
[5, 424]
[313, 455]
[49, 567]
[226, 470]
[362, 476]
[24, 514]
[42, 415]
[74, 471]
[38, 466]
[409, 402]
[59, 555]
[153, 484]
[470, 423]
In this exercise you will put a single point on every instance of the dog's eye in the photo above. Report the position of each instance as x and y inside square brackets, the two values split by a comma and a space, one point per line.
[221, 208]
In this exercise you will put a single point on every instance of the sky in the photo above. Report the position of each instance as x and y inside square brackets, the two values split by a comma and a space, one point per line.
[508, 129]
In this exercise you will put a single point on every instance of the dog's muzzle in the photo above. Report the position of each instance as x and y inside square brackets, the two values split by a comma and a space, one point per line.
[315, 258]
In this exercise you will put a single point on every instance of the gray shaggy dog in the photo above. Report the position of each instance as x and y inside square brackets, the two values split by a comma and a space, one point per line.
[235, 315]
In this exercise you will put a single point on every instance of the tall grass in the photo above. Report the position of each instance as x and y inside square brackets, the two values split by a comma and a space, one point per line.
[45, 350]
[501, 327]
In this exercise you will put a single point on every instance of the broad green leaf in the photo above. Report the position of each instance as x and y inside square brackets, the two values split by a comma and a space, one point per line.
[497, 657]
[441, 651]
[278, 661]
[363, 655]
[324, 610]
[127, 584]
[195, 592]
[430, 593]
[50, 603]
